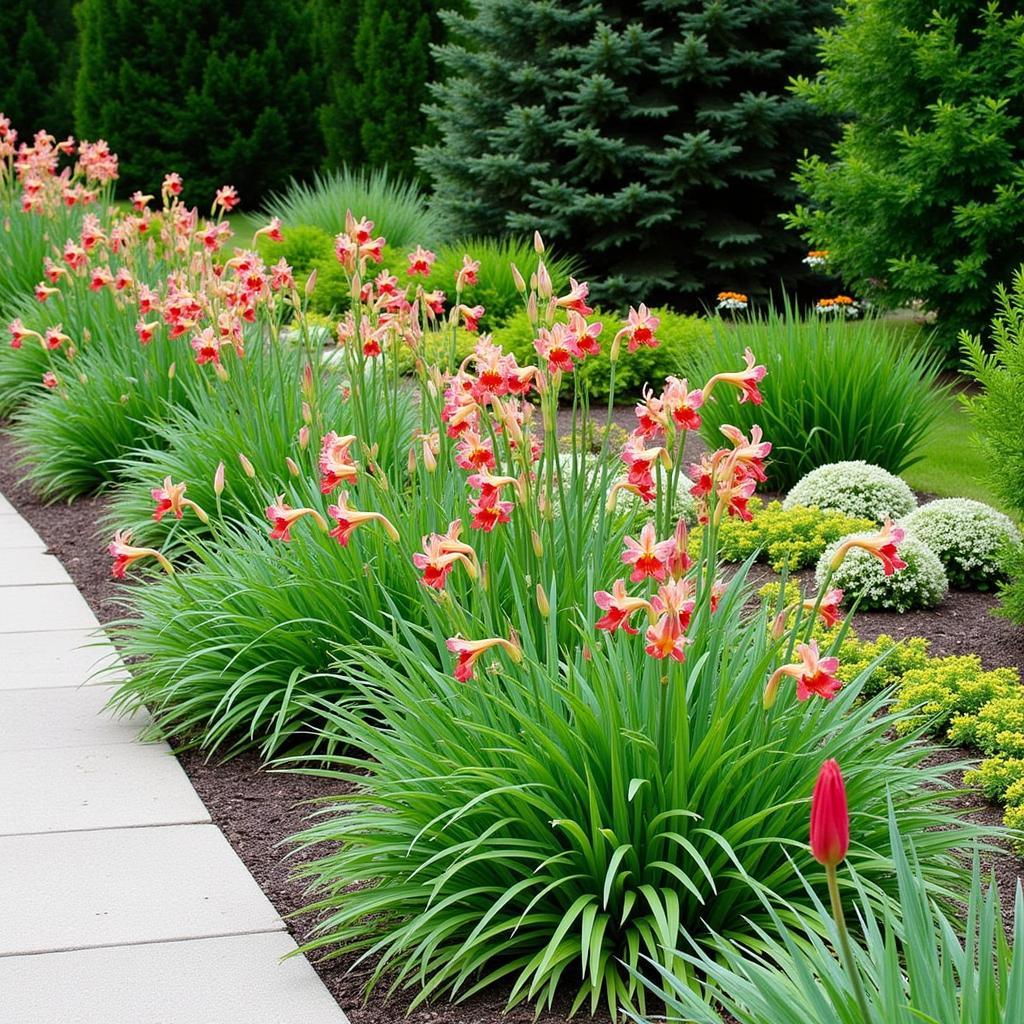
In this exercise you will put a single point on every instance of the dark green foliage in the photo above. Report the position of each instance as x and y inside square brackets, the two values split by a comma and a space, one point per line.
[219, 94]
[376, 60]
[996, 413]
[657, 140]
[37, 70]
[921, 198]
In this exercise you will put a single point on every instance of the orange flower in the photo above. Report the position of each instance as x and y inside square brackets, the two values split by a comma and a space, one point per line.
[171, 498]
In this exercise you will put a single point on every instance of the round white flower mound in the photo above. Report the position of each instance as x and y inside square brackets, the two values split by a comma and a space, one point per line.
[968, 537]
[922, 584]
[854, 488]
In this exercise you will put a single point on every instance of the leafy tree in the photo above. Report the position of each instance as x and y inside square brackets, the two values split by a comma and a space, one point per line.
[37, 72]
[921, 198]
[377, 62]
[658, 138]
[219, 93]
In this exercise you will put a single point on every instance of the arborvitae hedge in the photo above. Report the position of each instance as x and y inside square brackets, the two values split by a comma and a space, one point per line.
[220, 93]
[657, 139]
[376, 61]
[923, 196]
[38, 66]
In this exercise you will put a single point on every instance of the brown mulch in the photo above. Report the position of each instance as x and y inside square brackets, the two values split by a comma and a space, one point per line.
[258, 809]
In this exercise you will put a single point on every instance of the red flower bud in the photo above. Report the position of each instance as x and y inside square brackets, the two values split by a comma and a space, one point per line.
[830, 823]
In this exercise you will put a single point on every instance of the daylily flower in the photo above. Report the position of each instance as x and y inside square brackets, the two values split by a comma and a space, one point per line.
[828, 610]
[469, 651]
[50, 381]
[471, 316]
[348, 518]
[207, 347]
[648, 555]
[101, 278]
[576, 297]
[283, 517]
[745, 380]
[467, 274]
[172, 184]
[441, 553]
[420, 262]
[666, 638]
[639, 330]
[226, 198]
[44, 291]
[679, 560]
[336, 464]
[619, 607]
[559, 347]
[883, 545]
[682, 404]
[125, 554]
[55, 337]
[171, 498]
[19, 332]
[489, 511]
[814, 675]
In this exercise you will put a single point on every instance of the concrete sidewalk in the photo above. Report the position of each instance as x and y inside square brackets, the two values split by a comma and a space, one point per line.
[120, 901]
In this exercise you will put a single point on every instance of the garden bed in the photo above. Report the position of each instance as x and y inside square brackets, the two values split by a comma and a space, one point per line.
[257, 810]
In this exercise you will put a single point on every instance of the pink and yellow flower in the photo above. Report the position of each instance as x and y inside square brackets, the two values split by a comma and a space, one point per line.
[125, 554]
[283, 517]
[441, 553]
[170, 497]
[336, 464]
[648, 555]
[347, 519]
[746, 380]
[814, 675]
[884, 545]
[619, 607]
[468, 652]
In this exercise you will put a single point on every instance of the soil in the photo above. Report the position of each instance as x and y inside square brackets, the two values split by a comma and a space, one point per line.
[258, 809]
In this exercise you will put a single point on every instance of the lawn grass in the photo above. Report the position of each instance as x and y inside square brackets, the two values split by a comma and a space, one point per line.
[952, 466]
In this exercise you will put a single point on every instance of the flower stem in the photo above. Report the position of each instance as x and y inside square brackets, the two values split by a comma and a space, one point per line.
[844, 943]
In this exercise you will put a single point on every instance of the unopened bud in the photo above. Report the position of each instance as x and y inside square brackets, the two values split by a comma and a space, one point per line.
[518, 279]
[292, 468]
[429, 459]
[538, 547]
[307, 413]
[412, 461]
[311, 282]
[538, 243]
[218, 480]
[247, 466]
[222, 373]
[542, 602]
[303, 437]
[170, 371]
[544, 286]
[531, 309]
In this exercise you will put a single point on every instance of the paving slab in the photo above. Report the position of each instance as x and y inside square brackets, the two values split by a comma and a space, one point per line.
[44, 608]
[121, 785]
[114, 887]
[239, 979]
[19, 566]
[6, 508]
[57, 657]
[16, 533]
[52, 717]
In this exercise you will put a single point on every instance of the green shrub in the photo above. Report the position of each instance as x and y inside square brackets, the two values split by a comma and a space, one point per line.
[997, 727]
[995, 775]
[855, 489]
[838, 392]
[919, 199]
[968, 536]
[397, 208]
[948, 687]
[682, 340]
[786, 538]
[553, 825]
[889, 660]
[910, 959]
[922, 584]
[495, 289]
[546, 118]
[997, 411]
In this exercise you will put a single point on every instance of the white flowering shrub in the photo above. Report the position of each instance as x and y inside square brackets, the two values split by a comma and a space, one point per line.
[969, 538]
[922, 584]
[855, 489]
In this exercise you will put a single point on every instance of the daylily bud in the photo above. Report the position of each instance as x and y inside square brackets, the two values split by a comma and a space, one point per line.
[218, 480]
[542, 602]
[538, 243]
[429, 460]
[518, 279]
[613, 353]
[170, 371]
[292, 468]
[221, 371]
[531, 309]
[310, 283]
[307, 413]
[247, 466]
[412, 461]
[830, 822]
[538, 547]
[303, 437]
[544, 286]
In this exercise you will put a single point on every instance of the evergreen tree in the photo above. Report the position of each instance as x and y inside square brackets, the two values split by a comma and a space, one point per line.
[377, 62]
[220, 93]
[922, 198]
[656, 139]
[37, 72]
